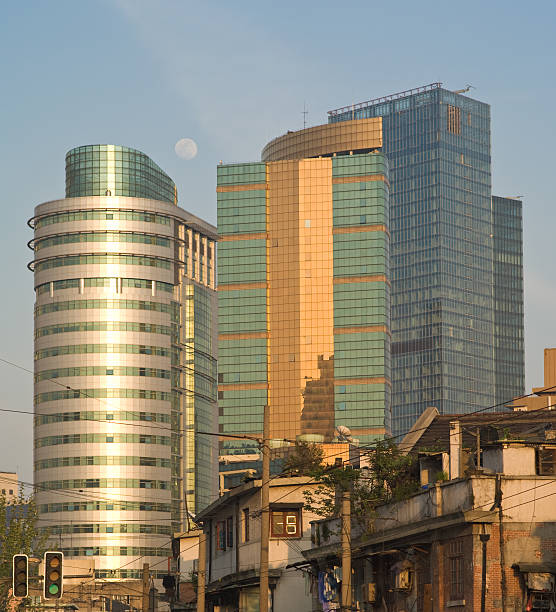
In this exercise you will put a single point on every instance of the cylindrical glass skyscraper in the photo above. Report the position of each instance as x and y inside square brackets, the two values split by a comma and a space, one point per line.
[125, 362]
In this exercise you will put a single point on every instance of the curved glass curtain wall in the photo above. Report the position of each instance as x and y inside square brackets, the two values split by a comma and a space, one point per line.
[98, 170]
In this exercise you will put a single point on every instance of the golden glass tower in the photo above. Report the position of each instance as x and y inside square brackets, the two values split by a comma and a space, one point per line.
[304, 287]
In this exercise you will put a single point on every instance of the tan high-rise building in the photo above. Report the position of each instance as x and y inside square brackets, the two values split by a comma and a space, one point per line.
[125, 362]
[304, 286]
[9, 486]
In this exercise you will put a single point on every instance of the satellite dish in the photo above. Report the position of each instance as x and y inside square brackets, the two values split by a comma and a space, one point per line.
[343, 434]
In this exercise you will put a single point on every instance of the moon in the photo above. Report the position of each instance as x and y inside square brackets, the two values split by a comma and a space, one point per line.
[186, 148]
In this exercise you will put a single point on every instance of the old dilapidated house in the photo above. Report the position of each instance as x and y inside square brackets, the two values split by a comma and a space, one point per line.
[480, 535]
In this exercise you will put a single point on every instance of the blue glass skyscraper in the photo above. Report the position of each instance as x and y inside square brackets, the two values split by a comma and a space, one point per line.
[507, 233]
[442, 253]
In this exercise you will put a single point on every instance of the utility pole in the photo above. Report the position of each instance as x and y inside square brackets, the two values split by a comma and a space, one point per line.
[265, 513]
[146, 587]
[202, 572]
[346, 550]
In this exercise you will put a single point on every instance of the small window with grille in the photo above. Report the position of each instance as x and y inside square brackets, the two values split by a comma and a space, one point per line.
[546, 461]
[455, 567]
[230, 532]
[221, 535]
[285, 523]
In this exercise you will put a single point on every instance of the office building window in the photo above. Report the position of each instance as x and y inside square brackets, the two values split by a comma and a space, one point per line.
[454, 119]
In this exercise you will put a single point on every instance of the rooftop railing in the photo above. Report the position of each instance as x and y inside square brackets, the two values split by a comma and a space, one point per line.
[395, 96]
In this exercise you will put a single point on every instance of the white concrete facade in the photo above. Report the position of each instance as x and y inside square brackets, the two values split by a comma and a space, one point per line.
[237, 566]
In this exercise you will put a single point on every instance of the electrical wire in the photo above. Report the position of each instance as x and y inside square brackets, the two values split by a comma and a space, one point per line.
[365, 447]
[184, 432]
[141, 557]
[90, 496]
[116, 409]
[98, 399]
[474, 508]
[300, 551]
[80, 494]
[506, 417]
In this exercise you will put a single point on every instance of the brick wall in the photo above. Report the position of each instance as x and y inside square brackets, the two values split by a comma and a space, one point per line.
[522, 543]
[472, 547]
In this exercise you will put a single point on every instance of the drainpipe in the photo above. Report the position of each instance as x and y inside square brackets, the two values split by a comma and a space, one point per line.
[210, 553]
[485, 537]
[237, 534]
[498, 503]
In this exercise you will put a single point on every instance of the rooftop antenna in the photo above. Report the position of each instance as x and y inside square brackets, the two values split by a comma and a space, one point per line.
[467, 88]
[305, 113]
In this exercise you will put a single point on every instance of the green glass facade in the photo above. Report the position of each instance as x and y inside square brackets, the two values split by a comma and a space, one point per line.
[508, 298]
[444, 270]
[348, 385]
[362, 355]
[98, 170]
[197, 372]
[241, 311]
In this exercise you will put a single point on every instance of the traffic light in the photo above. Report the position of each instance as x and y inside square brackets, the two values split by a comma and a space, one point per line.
[53, 574]
[20, 576]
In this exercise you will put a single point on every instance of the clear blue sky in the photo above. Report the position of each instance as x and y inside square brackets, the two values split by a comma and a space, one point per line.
[232, 75]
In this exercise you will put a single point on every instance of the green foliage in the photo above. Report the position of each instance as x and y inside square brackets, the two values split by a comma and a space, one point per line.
[304, 460]
[324, 500]
[20, 536]
[391, 476]
[395, 475]
[506, 434]
[433, 448]
[441, 477]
